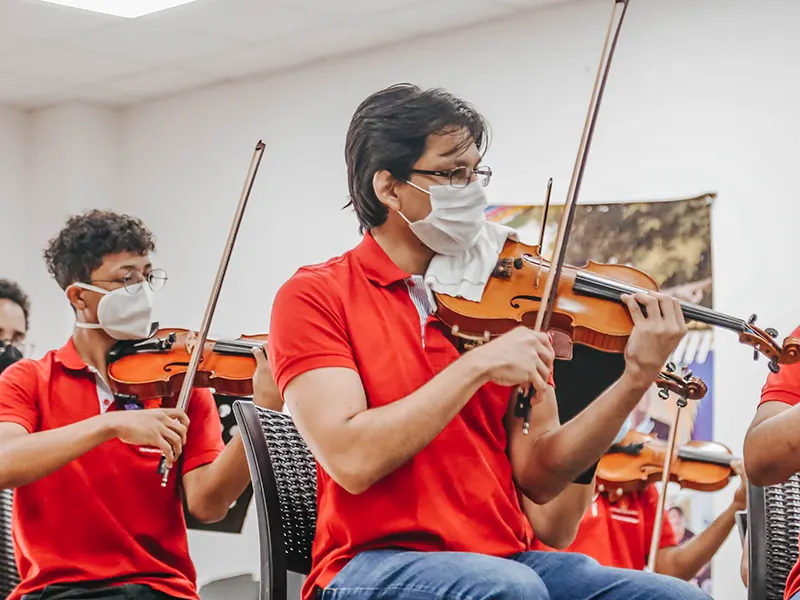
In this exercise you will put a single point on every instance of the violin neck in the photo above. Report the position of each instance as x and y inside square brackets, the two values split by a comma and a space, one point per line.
[236, 347]
[591, 284]
[705, 456]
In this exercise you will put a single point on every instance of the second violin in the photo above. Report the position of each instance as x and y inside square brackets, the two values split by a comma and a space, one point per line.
[156, 367]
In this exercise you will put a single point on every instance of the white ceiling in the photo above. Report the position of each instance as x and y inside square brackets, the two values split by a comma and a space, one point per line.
[51, 53]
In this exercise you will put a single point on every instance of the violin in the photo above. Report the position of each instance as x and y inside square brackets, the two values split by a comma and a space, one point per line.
[638, 461]
[587, 308]
[156, 367]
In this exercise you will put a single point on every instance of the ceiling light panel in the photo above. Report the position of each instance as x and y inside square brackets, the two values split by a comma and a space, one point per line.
[130, 9]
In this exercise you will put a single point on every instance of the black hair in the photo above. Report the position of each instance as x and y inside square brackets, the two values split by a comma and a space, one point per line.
[9, 290]
[389, 131]
[87, 238]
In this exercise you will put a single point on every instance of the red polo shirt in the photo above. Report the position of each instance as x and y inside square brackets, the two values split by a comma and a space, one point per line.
[457, 494]
[104, 516]
[619, 534]
[784, 386]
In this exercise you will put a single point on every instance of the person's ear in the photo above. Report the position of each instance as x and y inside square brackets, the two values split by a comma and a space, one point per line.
[75, 297]
[386, 188]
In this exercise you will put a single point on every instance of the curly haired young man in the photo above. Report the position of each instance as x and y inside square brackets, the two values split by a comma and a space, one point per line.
[90, 518]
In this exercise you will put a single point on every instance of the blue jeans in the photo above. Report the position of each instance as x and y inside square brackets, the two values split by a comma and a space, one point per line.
[390, 574]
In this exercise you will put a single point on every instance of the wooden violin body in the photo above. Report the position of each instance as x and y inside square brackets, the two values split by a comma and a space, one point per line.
[639, 460]
[587, 306]
[156, 367]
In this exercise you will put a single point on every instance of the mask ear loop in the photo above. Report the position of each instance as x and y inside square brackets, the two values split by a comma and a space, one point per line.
[91, 288]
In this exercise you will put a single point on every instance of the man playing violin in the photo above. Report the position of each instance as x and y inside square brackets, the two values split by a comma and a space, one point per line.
[771, 453]
[14, 312]
[420, 455]
[90, 517]
[617, 531]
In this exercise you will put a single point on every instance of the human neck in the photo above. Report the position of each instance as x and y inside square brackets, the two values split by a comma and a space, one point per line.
[93, 346]
[404, 248]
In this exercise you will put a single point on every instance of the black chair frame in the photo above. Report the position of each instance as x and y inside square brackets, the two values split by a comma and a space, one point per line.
[280, 463]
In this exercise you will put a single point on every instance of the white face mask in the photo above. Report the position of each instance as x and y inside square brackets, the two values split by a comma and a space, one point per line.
[455, 220]
[123, 314]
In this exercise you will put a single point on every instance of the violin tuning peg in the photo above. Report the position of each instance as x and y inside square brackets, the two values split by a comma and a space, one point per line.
[771, 332]
[663, 393]
[752, 319]
[755, 354]
[670, 367]
[688, 376]
[774, 366]
[518, 264]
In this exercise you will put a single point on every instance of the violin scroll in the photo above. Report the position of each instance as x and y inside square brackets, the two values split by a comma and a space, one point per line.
[763, 342]
[687, 386]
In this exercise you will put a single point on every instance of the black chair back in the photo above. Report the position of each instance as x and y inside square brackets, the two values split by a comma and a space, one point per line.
[9, 576]
[284, 476]
[773, 530]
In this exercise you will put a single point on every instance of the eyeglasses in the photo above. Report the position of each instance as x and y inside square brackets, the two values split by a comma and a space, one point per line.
[461, 177]
[156, 279]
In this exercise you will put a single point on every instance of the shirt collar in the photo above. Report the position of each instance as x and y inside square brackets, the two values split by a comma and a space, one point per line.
[68, 356]
[377, 265]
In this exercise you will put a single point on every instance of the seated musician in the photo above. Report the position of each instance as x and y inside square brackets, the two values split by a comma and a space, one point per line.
[14, 313]
[618, 531]
[418, 447]
[771, 449]
[90, 517]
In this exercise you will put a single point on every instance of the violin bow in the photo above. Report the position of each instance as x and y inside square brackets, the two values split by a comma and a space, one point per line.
[681, 402]
[523, 407]
[202, 335]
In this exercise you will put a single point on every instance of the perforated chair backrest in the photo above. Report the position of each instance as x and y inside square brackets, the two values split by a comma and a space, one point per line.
[9, 576]
[773, 515]
[284, 475]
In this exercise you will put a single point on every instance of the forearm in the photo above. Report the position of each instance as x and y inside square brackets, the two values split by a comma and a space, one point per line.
[559, 456]
[219, 484]
[377, 441]
[28, 458]
[556, 523]
[772, 448]
[686, 561]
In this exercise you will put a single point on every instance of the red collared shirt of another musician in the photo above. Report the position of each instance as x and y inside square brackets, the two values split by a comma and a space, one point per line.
[784, 386]
[618, 534]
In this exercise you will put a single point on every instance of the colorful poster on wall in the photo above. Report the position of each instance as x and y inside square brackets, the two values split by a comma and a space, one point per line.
[671, 241]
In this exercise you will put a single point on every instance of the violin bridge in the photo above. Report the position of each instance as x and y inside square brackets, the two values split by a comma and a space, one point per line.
[191, 341]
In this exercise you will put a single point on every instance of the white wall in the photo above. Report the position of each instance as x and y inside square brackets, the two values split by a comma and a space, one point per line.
[13, 180]
[72, 166]
[702, 97]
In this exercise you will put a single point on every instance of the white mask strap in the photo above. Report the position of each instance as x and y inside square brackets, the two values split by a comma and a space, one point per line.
[91, 288]
[419, 188]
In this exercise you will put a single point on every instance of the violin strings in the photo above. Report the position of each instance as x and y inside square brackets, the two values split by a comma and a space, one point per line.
[595, 285]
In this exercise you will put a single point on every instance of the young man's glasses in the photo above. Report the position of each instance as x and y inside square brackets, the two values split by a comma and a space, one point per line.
[461, 177]
[155, 279]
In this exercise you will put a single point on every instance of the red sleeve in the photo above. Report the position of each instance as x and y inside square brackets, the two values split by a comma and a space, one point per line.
[204, 438]
[19, 390]
[307, 329]
[783, 386]
[668, 538]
